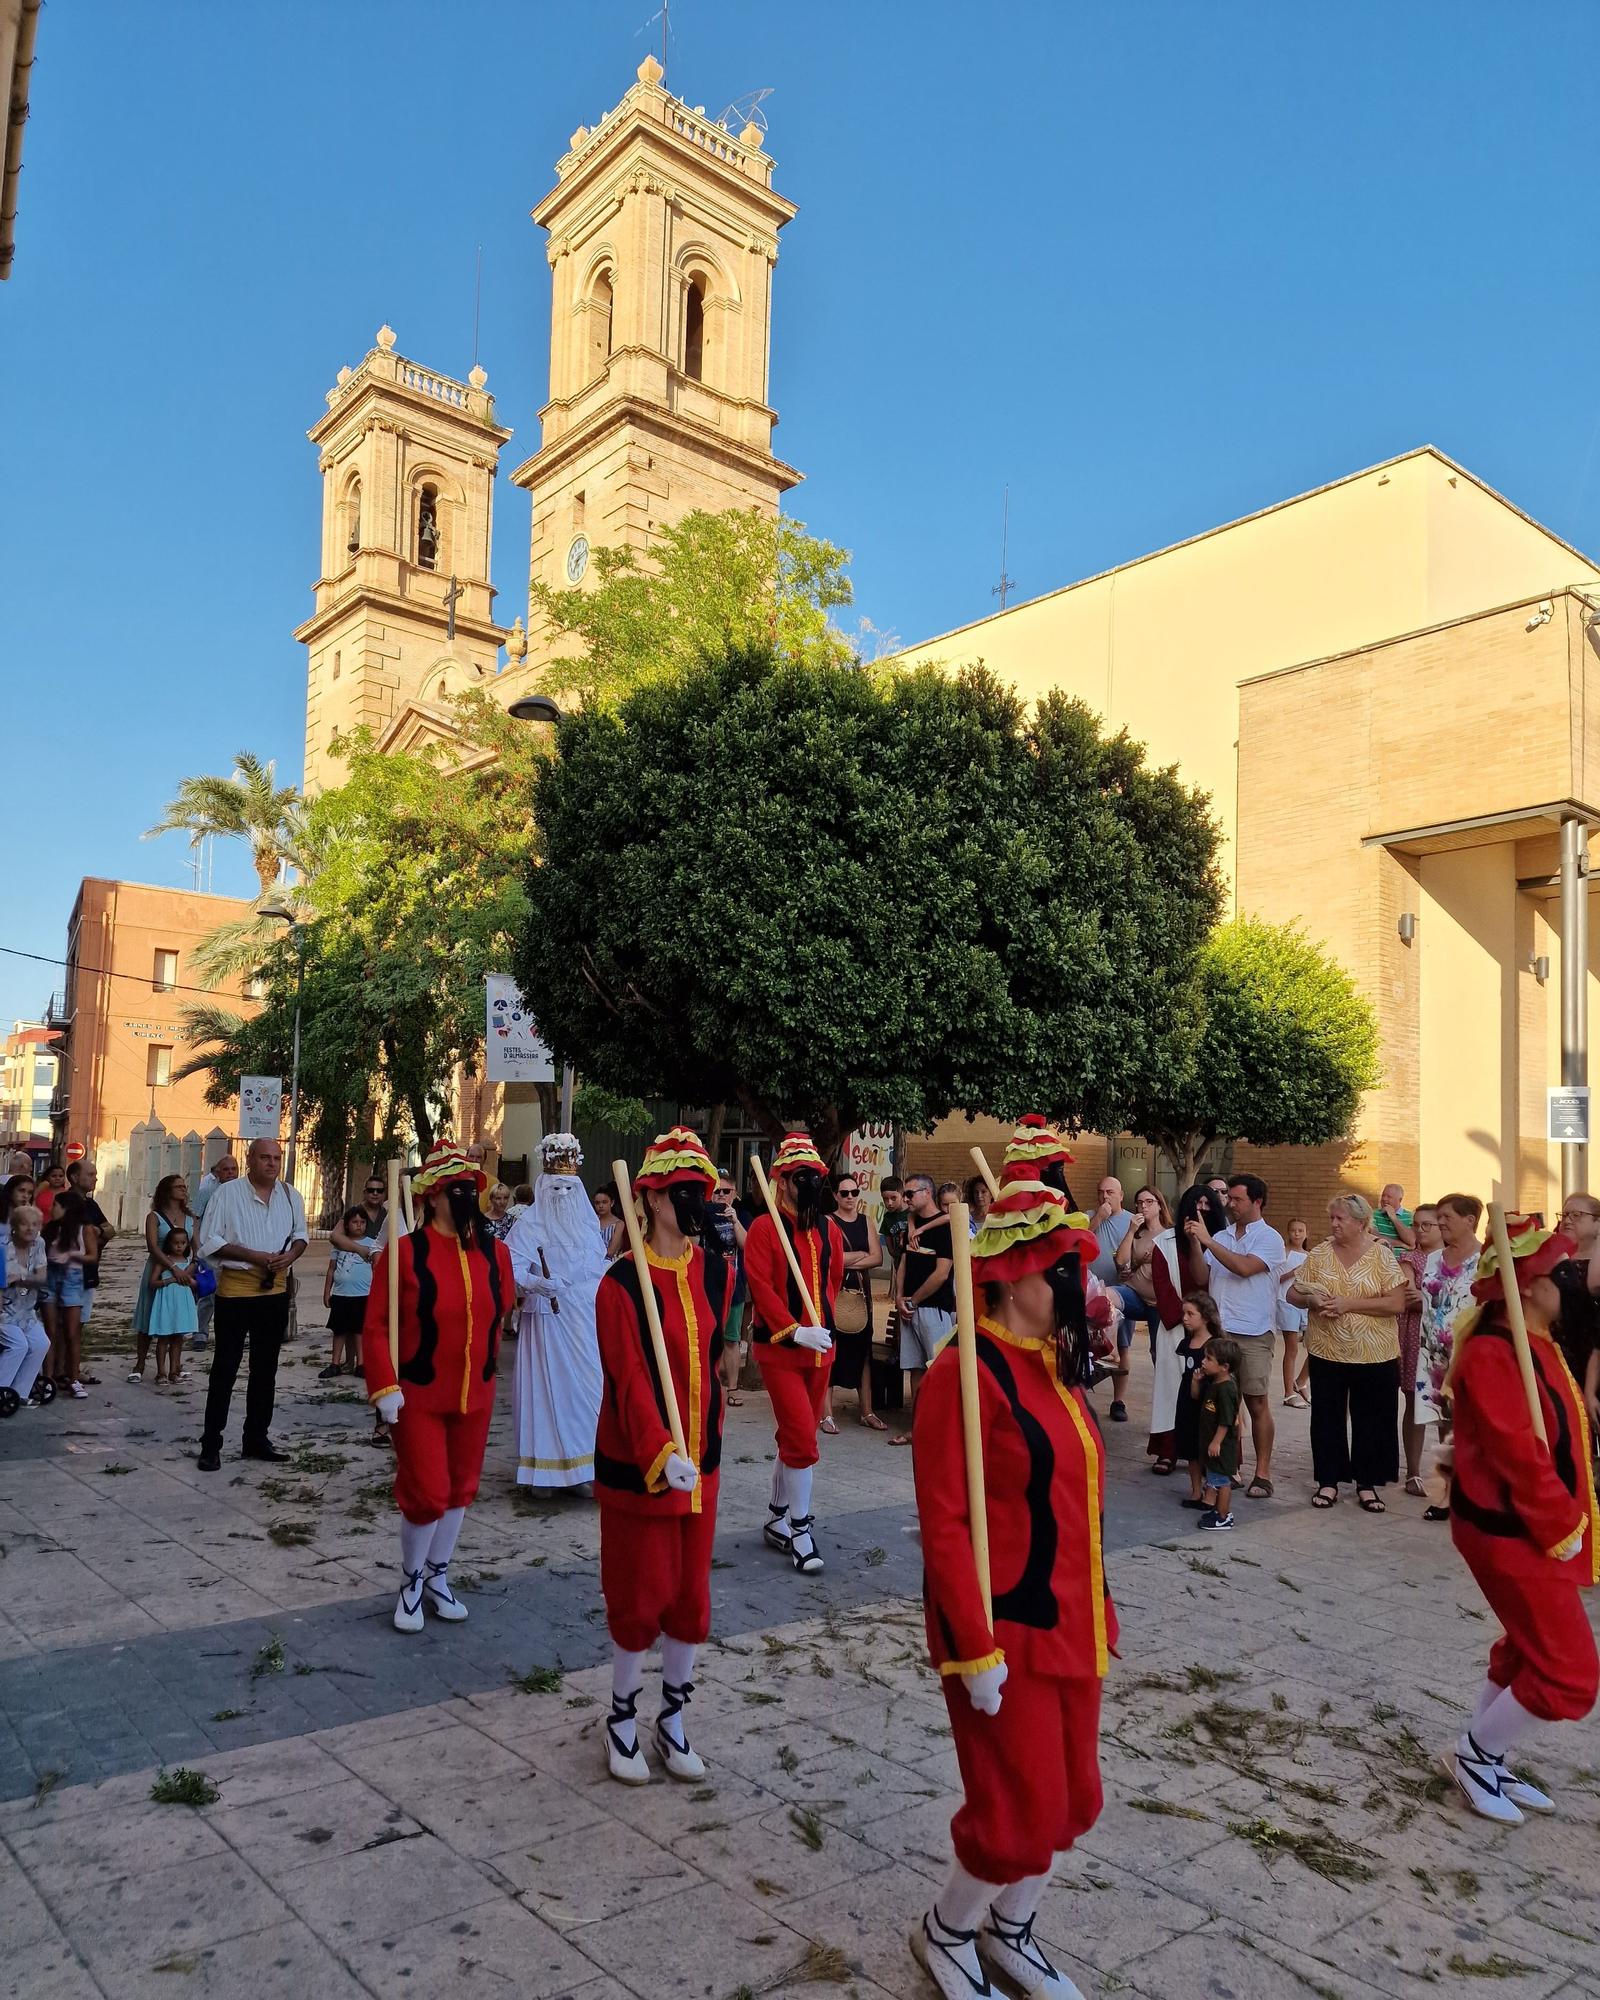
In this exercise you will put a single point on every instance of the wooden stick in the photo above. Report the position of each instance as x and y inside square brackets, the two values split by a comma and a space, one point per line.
[1501, 1239]
[394, 1267]
[652, 1310]
[986, 1170]
[801, 1287]
[407, 1208]
[971, 1422]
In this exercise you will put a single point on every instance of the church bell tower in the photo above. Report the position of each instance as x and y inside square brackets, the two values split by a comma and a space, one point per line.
[663, 236]
[404, 607]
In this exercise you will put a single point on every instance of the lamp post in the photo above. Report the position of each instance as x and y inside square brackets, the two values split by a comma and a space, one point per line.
[276, 905]
[540, 708]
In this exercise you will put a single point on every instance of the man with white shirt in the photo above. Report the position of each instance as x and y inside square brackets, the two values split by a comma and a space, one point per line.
[254, 1233]
[1242, 1273]
[225, 1170]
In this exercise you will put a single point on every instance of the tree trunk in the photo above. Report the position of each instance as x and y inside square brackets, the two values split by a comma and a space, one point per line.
[829, 1132]
[718, 1119]
[761, 1112]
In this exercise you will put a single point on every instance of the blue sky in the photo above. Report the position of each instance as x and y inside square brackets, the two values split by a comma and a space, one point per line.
[1155, 264]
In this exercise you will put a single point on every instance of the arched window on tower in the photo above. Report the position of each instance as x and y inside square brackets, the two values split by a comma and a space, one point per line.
[428, 528]
[600, 324]
[694, 330]
[352, 517]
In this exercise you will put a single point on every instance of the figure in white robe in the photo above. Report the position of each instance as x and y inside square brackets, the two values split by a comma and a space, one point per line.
[558, 1257]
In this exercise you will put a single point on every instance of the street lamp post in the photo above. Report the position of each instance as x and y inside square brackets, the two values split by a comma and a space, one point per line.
[540, 708]
[276, 905]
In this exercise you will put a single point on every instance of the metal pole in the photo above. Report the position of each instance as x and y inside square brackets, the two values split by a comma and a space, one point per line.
[1574, 987]
[294, 1067]
[568, 1080]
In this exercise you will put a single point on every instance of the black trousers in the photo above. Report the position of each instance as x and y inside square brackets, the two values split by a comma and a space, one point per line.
[1355, 1412]
[263, 1322]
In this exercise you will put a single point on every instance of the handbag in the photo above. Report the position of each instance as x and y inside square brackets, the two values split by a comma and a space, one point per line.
[851, 1312]
[205, 1281]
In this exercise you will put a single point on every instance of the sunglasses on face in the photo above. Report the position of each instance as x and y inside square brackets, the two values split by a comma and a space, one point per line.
[848, 1194]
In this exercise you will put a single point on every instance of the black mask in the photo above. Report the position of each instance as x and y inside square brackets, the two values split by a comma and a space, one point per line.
[689, 1207]
[805, 1184]
[464, 1210]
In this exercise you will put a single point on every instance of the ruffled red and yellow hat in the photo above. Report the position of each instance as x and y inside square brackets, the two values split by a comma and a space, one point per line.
[1027, 1229]
[447, 1162]
[1036, 1143]
[1535, 1251]
[675, 1156]
[796, 1152]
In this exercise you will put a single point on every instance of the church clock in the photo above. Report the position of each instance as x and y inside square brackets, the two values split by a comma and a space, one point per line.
[577, 558]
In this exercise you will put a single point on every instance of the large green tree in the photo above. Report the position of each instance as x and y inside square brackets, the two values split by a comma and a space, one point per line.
[1274, 1045]
[709, 582]
[840, 895]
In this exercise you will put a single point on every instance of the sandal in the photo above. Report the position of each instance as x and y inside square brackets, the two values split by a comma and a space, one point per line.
[1415, 1487]
[1296, 1402]
[1265, 1486]
[1325, 1496]
[1436, 1513]
[828, 1427]
[735, 1400]
[871, 1421]
[901, 1437]
[1367, 1498]
[1164, 1468]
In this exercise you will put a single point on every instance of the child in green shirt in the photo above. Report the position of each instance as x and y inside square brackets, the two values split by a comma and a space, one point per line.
[1219, 1430]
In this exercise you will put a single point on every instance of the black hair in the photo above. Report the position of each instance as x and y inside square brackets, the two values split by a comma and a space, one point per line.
[1204, 1202]
[1254, 1186]
[68, 1214]
[891, 1184]
[1577, 1327]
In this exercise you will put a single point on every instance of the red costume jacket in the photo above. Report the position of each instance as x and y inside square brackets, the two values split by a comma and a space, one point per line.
[633, 1441]
[447, 1356]
[1512, 1502]
[778, 1307]
[1044, 1470]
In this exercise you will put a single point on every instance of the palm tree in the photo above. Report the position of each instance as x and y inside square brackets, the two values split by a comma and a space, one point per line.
[246, 806]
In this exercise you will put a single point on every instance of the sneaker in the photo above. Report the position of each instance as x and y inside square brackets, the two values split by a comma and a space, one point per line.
[1215, 1523]
[1015, 1954]
[1481, 1779]
[80, 1392]
[1119, 1413]
[333, 1370]
[135, 1374]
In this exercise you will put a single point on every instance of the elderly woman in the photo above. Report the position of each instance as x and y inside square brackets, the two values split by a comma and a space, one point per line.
[1355, 1292]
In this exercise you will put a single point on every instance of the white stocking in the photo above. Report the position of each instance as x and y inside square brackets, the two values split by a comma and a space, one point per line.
[677, 1660]
[1018, 1901]
[415, 1539]
[1506, 1722]
[627, 1677]
[799, 1486]
[446, 1533]
[780, 1485]
[1490, 1694]
[964, 1901]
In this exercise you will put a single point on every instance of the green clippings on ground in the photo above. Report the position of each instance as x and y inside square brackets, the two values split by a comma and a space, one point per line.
[291, 1534]
[115, 1471]
[1495, 1966]
[538, 1680]
[580, 1701]
[1422, 1878]
[807, 1827]
[1161, 1809]
[764, 1887]
[758, 1699]
[822, 1965]
[269, 1659]
[289, 1493]
[183, 1787]
[1464, 1882]
[229, 1714]
[1289, 1583]
[308, 1461]
[45, 1784]
[1324, 1853]
[1203, 1568]
[787, 1759]
[176, 1964]
[305, 1668]
[703, 1795]
[1280, 1705]
[874, 1556]
[866, 1778]
[1206, 1680]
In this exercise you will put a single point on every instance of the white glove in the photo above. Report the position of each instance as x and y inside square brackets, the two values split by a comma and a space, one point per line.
[983, 1690]
[1572, 1546]
[680, 1475]
[541, 1288]
[390, 1406]
[816, 1338]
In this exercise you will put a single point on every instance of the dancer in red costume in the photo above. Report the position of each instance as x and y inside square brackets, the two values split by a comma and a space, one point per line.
[793, 1356]
[1036, 1151]
[1023, 1693]
[658, 1511]
[455, 1292]
[1523, 1516]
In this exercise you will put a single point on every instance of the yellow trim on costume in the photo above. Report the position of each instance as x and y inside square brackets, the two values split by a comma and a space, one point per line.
[557, 1464]
[816, 1282]
[1007, 1338]
[679, 1263]
[1584, 1457]
[653, 1480]
[466, 1360]
[378, 1395]
[1091, 1469]
[994, 1659]
[788, 1333]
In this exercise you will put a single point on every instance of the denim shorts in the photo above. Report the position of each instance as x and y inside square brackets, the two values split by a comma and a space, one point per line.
[66, 1286]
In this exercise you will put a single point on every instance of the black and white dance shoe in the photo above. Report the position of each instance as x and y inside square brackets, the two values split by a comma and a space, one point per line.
[776, 1534]
[440, 1599]
[624, 1759]
[1015, 1956]
[803, 1546]
[672, 1741]
[408, 1605]
[1484, 1782]
[950, 1959]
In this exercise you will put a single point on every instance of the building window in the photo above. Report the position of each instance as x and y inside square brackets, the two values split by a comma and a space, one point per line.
[428, 528]
[600, 330]
[336, 666]
[694, 331]
[157, 1065]
[352, 518]
[579, 509]
[165, 977]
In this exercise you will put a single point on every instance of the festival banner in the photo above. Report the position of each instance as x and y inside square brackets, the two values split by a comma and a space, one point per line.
[512, 1048]
[869, 1155]
[260, 1106]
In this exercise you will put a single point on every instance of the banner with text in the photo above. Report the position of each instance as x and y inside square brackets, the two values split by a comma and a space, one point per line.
[869, 1155]
[513, 1050]
[260, 1106]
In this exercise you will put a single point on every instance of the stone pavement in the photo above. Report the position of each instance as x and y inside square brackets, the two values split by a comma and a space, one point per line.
[401, 1816]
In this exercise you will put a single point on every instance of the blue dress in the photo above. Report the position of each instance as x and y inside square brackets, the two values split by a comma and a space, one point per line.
[173, 1309]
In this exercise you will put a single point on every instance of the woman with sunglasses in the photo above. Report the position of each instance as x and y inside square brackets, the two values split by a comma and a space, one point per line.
[852, 1352]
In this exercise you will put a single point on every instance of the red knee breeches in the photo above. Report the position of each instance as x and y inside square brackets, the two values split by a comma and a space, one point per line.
[655, 1575]
[438, 1459]
[1031, 1774]
[799, 1402]
[1547, 1655]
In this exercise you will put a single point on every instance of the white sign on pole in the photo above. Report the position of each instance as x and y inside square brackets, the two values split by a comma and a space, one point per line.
[260, 1106]
[1568, 1114]
[513, 1050]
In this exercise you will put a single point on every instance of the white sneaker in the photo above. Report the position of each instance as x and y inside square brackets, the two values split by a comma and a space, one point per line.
[803, 1546]
[1521, 1793]
[441, 1600]
[624, 1759]
[136, 1375]
[408, 1605]
[1012, 1951]
[776, 1533]
[1479, 1778]
[80, 1392]
[950, 1959]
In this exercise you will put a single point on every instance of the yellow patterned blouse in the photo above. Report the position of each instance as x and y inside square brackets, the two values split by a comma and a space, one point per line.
[1353, 1336]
